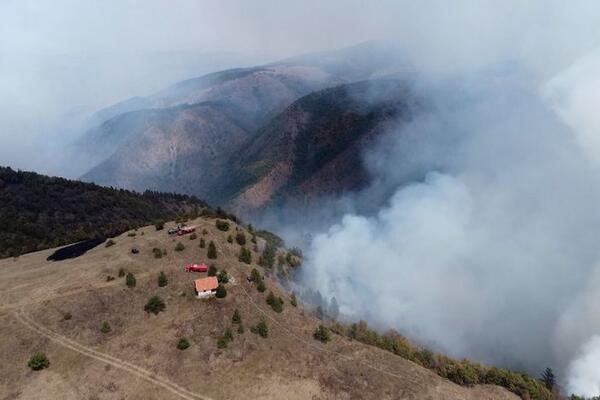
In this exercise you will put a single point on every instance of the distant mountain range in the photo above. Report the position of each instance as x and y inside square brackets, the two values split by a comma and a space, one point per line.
[252, 137]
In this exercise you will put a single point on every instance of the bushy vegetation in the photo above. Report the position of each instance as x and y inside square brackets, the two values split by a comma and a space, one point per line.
[109, 243]
[179, 246]
[38, 361]
[183, 344]
[212, 251]
[221, 291]
[105, 328]
[154, 305]
[193, 236]
[321, 334]
[245, 256]
[267, 258]
[121, 272]
[275, 302]
[159, 224]
[130, 280]
[131, 234]
[240, 238]
[67, 316]
[293, 300]
[223, 276]
[462, 372]
[236, 318]
[261, 329]
[39, 212]
[229, 239]
[212, 270]
[225, 339]
[222, 225]
[202, 243]
[271, 238]
[162, 279]
[157, 252]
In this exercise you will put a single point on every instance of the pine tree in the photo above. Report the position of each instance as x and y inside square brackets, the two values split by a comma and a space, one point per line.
[236, 318]
[548, 378]
[212, 251]
[130, 280]
[221, 291]
[162, 279]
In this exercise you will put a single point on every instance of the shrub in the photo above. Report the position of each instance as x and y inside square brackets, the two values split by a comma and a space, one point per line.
[38, 361]
[222, 342]
[212, 270]
[229, 239]
[162, 279]
[154, 305]
[260, 286]
[240, 329]
[212, 251]
[193, 236]
[109, 243]
[240, 238]
[131, 234]
[293, 300]
[130, 280]
[222, 225]
[267, 258]
[245, 256]
[221, 291]
[276, 303]
[260, 329]
[204, 231]
[223, 277]
[236, 318]
[105, 328]
[121, 272]
[321, 334]
[157, 252]
[110, 278]
[292, 259]
[202, 243]
[183, 344]
[228, 334]
[159, 224]
[67, 316]
[179, 246]
[255, 275]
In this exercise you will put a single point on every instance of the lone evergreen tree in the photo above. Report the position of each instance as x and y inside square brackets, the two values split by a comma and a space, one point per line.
[245, 255]
[236, 318]
[212, 270]
[212, 250]
[130, 280]
[162, 279]
[221, 291]
[38, 361]
[548, 378]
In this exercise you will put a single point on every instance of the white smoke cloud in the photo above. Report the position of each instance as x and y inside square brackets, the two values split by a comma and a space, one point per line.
[494, 254]
[584, 374]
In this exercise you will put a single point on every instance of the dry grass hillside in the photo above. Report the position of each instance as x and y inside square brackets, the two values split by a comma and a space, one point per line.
[138, 358]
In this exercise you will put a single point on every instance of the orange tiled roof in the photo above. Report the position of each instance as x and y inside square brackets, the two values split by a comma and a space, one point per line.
[205, 284]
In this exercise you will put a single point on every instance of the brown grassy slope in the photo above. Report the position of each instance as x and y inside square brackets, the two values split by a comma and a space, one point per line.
[138, 359]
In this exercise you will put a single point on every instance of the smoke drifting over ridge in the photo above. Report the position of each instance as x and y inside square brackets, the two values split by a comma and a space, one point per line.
[494, 255]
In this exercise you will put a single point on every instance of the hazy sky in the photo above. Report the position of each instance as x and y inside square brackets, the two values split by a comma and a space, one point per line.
[62, 59]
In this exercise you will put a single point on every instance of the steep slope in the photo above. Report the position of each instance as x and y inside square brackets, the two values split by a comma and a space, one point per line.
[38, 212]
[240, 101]
[314, 148]
[138, 358]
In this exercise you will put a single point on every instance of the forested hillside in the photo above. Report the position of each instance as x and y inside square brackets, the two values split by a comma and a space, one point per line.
[39, 212]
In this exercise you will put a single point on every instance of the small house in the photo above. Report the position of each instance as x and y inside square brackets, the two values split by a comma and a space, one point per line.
[206, 287]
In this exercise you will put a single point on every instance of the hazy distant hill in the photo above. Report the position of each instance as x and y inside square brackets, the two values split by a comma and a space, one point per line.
[215, 135]
[315, 146]
[38, 212]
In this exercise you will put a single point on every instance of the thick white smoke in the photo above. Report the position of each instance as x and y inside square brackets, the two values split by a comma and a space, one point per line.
[493, 254]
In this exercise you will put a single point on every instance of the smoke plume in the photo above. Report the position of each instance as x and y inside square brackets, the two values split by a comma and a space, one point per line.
[494, 253]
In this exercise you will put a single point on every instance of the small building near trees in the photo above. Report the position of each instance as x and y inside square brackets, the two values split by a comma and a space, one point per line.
[206, 287]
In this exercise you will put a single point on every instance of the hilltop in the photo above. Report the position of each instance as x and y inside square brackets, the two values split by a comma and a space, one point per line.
[59, 308]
